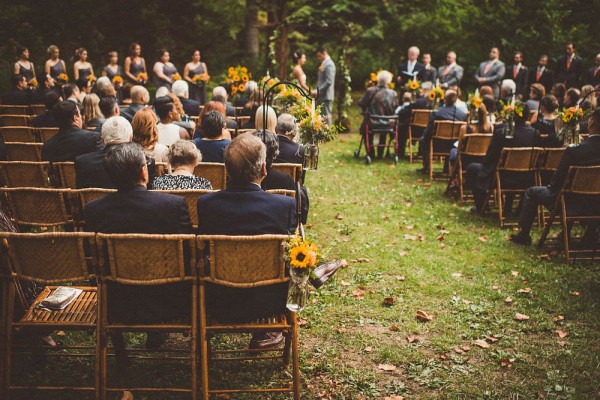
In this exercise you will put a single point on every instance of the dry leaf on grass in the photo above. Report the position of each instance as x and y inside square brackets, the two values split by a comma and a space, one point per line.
[558, 318]
[410, 237]
[386, 367]
[394, 328]
[458, 350]
[482, 343]
[409, 227]
[521, 317]
[393, 398]
[466, 348]
[413, 339]
[495, 287]
[508, 299]
[402, 253]
[358, 294]
[302, 321]
[389, 301]
[483, 238]
[507, 362]
[344, 283]
[562, 333]
[515, 273]
[492, 339]
[457, 274]
[339, 216]
[400, 277]
[574, 293]
[526, 290]
[368, 349]
[423, 316]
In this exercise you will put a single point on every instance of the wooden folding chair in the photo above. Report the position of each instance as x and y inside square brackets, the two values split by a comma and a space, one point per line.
[547, 164]
[516, 160]
[444, 132]
[31, 207]
[14, 120]
[245, 262]
[49, 259]
[25, 174]
[17, 134]
[37, 109]
[241, 120]
[239, 111]
[283, 192]
[144, 260]
[64, 173]
[580, 181]
[46, 134]
[191, 198]
[418, 119]
[24, 151]
[471, 148]
[84, 196]
[215, 173]
[293, 170]
[14, 110]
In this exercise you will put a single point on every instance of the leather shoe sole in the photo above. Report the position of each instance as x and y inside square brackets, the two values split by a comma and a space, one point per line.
[266, 341]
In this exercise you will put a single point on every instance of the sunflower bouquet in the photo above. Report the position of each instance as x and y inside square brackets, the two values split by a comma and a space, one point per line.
[32, 83]
[117, 80]
[300, 110]
[176, 77]
[413, 86]
[569, 119]
[571, 115]
[91, 78]
[64, 78]
[508, 111]
[201, 79]
[302, 253]
[268, 82]
[287, 98]
[142, 78]
[237, 77]
[315, 130]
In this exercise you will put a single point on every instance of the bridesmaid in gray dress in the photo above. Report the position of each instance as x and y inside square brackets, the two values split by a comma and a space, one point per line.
[54, 68]
[113, 68]
[23, 66]
[193, 68]
[134, 64]
[164, 70]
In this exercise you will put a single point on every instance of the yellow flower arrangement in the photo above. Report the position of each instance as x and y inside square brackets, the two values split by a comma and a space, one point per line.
[302, 253]
[176, 77]
[241, 87]
[314, 129]
[413, 85]
[33, 82]
[571, 115]
[508, 111]
[117, 80]
[237, 77]
[436, 94]
[91, 78]
[142, 77]
[63, 77]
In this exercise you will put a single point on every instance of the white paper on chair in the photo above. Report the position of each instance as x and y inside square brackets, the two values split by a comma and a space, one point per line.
[59, 299]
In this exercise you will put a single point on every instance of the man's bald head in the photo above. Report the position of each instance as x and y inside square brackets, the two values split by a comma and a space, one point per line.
[140, 95]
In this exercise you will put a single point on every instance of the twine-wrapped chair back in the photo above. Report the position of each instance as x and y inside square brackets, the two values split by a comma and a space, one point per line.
[14, 120]
[583, 180]
[293, 170]
[215, 173]
[448, 130]
[420, 118]
[142, 259]
[191, 198]
[25, 174]
[39, 207]
[471, 148]
[46, 133]
[283, 192]
[475, 144]
[244, 261]
[37, 109]
[241, 120]
[91, 194]
[65, 174]
[242, 131]
[519, 159]
[14, 110]
[24, 151]
[17, 134]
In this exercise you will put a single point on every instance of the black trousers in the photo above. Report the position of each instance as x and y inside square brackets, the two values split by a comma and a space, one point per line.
[534, 196]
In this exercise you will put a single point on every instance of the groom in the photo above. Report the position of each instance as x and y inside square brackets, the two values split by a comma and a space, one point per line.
[325, 83]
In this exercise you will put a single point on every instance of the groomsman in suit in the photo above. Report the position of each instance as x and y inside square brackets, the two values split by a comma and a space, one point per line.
[450, 74]
[428, 73]
[593, 74]
[542, 74]
[409, 68]
[519, 74]
[491, 72]
[569, 68]
[19, 95]
[325, 83]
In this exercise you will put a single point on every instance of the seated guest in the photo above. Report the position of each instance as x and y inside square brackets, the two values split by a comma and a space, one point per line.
[449, 112]
[70, 141]
[105, 88]
[558, 90]
[231, 123]
[404, 113]
[536, 92]
[221, 95]
[571, 98]
[46, 120]
[274, 179]
[133, 209]
[212, 145]
[85, 88]
[139, 100]
[19, 95]
[70, 92]
[289, 150]
[480, 176]
[46, 85]
[460, 105]
[590, 99]
[214, 106]
[507, 91]
[145, 133]
[545, 124]
[181, 90]
[109, 107]
[182, 120]
[586, 153]
[92, 115]
[250, 107]
[183, 157]
[89, 169]
[125, 92]
[271, 118]
[168, 132]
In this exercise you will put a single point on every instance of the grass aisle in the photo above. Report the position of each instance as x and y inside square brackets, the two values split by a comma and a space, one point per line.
[408, 243]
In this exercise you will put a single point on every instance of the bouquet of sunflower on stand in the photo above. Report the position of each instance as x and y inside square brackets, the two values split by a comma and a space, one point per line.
[413, 86]
[287, 98]
[507, 113]
[569, 118]
[237, 77]
[201, 79]
[302, 258]
[314, 130]
[435, 96]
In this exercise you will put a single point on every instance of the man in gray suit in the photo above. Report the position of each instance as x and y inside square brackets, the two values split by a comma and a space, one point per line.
[325, 83]
[491, 73]
[450, 74]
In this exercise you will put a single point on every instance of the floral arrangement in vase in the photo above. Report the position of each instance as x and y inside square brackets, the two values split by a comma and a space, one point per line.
[237, 77]
[569, 119]
[302, 258]
[287, 98]
[314, 130]
[436, 96]
[507, 113]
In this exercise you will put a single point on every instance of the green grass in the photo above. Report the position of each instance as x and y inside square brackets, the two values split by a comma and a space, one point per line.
[366, 212]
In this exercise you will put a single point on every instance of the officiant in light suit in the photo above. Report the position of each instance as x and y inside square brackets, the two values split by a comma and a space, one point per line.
[325, 83]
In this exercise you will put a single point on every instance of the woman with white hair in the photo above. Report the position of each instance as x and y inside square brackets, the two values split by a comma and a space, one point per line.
[184, 157]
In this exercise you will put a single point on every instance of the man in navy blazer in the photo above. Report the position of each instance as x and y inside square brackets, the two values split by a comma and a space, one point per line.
[569, 68]
[410, 68]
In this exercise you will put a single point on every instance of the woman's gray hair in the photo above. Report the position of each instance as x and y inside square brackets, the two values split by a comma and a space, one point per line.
[384, 78]
[269, 138]
[124, 163]
[184, 152]
[244, 158]
[286, 125]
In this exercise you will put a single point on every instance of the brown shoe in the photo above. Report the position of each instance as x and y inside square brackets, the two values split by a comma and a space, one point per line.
[325, 271]
[265, 340]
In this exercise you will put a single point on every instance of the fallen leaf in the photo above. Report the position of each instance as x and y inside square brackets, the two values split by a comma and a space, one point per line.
[508, 299]
[507, 362]
[343, 294]
[467, 302]
[339, 216]
[342, 330]
[127, 395]
[521, 317]
[515, 273]
[574, 293]
[394, 398]
[344, 283]
[402, 253]
[562, 333]
[443, 356]
[423, 316]
[60, 333]
[409, 227]
[483, 238]
[492, 339]
[410, 237]
[457, 274]
[558, 318]
[401, 277]
[362, 260]
[358, 294]
[495, 287]
[368, 349]
[389, 301]
[482, 343]
[394, 328]
[458, 350]
[526, 290]
[440, 238]
[387, 367]
[562, 343]
[413, 339]
[385, 217]
[302, 321]
[466, 348]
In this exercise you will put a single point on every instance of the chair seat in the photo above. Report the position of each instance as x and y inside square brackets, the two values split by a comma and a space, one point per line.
[81, 312]
[261, 324]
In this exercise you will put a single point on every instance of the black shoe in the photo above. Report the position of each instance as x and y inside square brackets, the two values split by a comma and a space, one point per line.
[156, 339]
[521, 239]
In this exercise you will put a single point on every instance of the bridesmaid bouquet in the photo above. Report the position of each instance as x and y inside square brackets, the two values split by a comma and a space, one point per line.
[64, 78]
[33, 83]
[201, 79]
[142, 78]
[176, 77]
[117, 81]
[91, 78]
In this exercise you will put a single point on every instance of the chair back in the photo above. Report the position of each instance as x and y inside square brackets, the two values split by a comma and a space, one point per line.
[283, 192]
[14, 110]
[24, 151]
[37, 109]
[238, 111]
[162, 168]
[293, 170]
[448, 130]
[475, 144]
[420, 118]
[241, 120]
[51, 258]
[47, 133]
[583, 180]
[139, 259]
[519, 159]
[244, 261]
[191, 198]
[550, 158]
[14, 120]
[38, 207]
[91, 194]
[25, 174]
[20, 134]
[215, 173]
[65, 172]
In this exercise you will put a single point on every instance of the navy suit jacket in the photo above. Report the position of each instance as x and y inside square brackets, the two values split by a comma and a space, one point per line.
[570, 77]
[16, 97]
[130, 111]
[191, 107]
[404, 67]
[90, 172]
[446, 113]
[289, 151]
[586, 153]
[521, 80]
[590, 79]
[69, 143]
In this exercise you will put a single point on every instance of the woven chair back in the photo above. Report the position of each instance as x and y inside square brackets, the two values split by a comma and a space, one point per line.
[24, 151]
[420, 118]
[476, 144]
[17, 134]
[39, 207]
[283, 192]
[448, 130]
[583, 180]
[87, 195]
[37, 109]
[25, 174]
[14, 120]
[550, 158]
[241, 120]
[244, 261]
[14, 110]
[139, 259]
[293, 170]
[65, 171]
[215, 173]
[519, 159]
[191, 198]
[51, 258]
[47, 133]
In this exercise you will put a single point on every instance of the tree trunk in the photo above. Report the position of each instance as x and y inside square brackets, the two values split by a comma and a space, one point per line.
[282, 46]
[251, 31]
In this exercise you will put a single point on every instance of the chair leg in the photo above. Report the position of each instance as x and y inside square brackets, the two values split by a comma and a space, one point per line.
[461, 189]
[500, 206]
[6, 361]
[203, 347]
[431, 161]
[566, 230]
[547, 227]
[410, 146]
[296, 358]
[102, 335]
[194, 341]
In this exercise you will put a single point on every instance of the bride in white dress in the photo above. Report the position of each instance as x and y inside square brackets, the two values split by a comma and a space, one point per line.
[299, 75]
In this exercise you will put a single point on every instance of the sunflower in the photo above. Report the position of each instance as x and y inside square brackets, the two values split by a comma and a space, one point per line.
[63, 77]
[413, 85]
[242, 87]
[432, 96]
[33, 82]
[176, 77]
[91, 78]
[245, 78]
[231, 70]
[302, 256]
[373, 76]
[234, 90]
[117, 80]
[236, 78]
